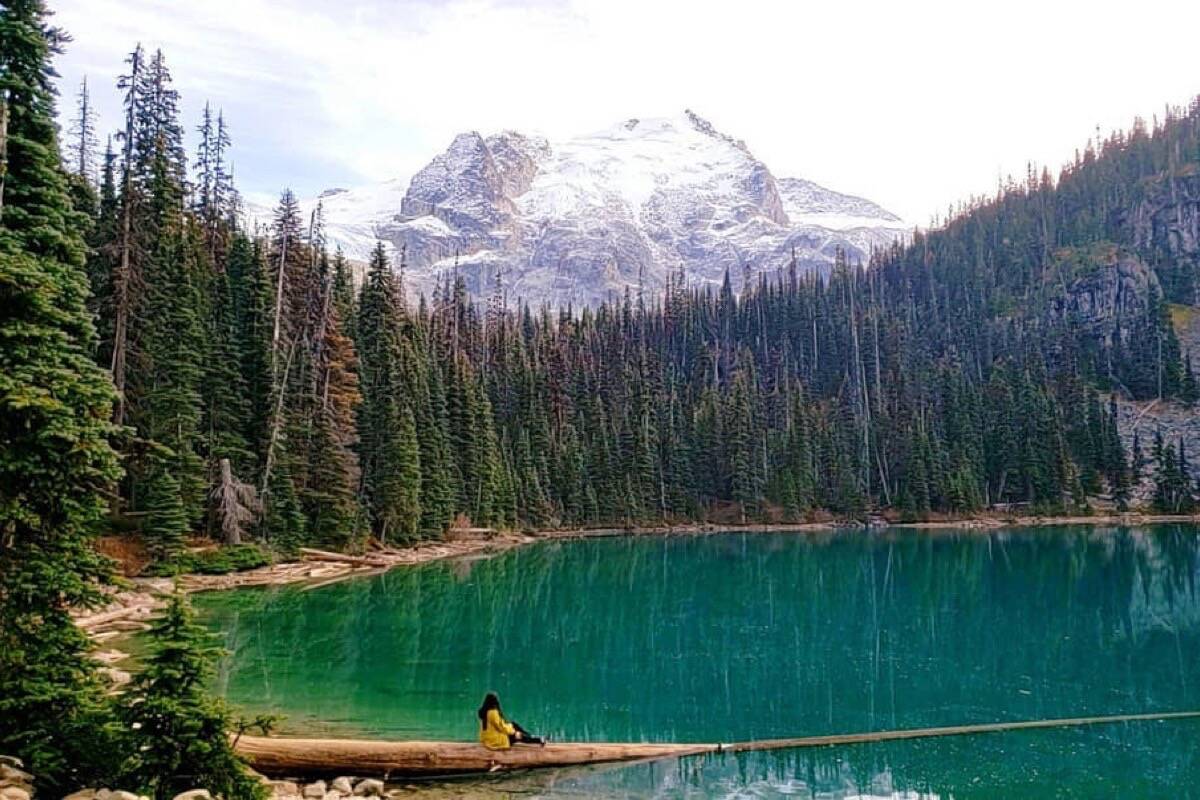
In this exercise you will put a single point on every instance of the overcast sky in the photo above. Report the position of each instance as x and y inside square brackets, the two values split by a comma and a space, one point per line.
[915, 105]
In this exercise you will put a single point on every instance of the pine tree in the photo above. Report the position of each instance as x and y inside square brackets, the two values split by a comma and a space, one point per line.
[389, 449]
[55, 407]
[1137, 460]
[166, 522]
[424, 385]
[1189, 392]
[331, 498]
[1173, 488]
[126, 281]
[170, 408]
[252, 300]
[225, 401]
[179, 733]
[283, 524]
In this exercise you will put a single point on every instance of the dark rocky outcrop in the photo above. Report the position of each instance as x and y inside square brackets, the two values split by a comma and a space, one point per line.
[1102, 289]
[1165, 220]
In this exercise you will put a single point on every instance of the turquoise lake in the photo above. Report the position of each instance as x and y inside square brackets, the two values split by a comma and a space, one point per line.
[750, 635]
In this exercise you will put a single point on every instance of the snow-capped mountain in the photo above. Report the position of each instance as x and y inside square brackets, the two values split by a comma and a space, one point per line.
[580, 220]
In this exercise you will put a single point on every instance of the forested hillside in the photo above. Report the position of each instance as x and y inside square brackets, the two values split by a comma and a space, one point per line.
[264, 396]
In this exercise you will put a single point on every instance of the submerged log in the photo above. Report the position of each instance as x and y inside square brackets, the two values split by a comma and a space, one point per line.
[951, 730]
[318, 757]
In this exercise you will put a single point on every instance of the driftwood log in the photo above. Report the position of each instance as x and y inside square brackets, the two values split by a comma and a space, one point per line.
[340, 558]
[320, 757]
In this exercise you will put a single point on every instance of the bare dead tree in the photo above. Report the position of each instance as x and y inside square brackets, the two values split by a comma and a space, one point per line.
[3, 147]
[276, 420]
[235, 504]
[83, 143]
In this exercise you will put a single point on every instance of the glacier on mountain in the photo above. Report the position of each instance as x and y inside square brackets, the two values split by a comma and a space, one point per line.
[582, 220]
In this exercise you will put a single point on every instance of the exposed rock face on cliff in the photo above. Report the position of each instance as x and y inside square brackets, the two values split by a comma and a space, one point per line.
[1165, 220]
[581, 220]
[1104, 289]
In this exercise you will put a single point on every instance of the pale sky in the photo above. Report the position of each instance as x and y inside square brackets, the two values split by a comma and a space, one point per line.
[916, 105]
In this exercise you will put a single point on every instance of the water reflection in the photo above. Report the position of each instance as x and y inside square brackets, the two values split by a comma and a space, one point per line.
[745, 636]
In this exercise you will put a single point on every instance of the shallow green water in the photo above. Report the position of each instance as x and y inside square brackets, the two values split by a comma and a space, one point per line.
[746, 636]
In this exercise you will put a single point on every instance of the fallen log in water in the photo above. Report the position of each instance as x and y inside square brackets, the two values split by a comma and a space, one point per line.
[952, 730]
[316, 757]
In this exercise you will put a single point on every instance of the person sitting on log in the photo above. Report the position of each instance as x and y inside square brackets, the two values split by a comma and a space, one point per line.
[498, 733]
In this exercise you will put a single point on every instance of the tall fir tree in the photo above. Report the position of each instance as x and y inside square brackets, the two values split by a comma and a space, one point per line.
[178, 733]
[55, 411]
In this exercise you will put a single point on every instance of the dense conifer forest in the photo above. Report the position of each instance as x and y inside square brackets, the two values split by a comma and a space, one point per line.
[265, 394]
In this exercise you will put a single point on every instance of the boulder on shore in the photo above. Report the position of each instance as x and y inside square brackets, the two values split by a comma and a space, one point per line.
[284, 788]
[14, 776]
[15, 783]
[194, 794]
[369, 787]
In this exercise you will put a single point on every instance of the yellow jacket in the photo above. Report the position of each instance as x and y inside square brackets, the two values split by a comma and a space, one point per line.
[495, 732]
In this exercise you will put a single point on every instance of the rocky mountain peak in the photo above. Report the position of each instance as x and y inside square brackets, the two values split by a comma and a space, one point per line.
[581, 219]
[704, 126]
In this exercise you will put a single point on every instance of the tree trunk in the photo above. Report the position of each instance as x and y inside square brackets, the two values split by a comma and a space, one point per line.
[123, 278]
[3, 151]
[313, 757]
[276, 424]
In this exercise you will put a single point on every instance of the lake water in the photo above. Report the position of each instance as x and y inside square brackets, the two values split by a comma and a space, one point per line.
[758, 635]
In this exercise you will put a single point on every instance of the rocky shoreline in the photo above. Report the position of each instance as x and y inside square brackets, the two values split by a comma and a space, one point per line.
[16, 784]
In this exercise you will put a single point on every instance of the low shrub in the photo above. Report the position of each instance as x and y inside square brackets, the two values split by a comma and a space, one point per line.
[218, 561]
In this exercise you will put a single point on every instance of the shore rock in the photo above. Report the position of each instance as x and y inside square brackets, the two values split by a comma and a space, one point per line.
[10, 774]
[315, 791]
[15, 783]
[342, 785]
[369, 787]
[194, 794]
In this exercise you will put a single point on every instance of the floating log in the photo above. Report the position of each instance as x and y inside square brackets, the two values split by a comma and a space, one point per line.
[278, 756]
[951, 730]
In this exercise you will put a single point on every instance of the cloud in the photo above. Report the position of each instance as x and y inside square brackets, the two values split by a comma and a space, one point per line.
[916, 105]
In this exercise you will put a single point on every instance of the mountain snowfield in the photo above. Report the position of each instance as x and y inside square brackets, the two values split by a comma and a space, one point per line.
[582, 220]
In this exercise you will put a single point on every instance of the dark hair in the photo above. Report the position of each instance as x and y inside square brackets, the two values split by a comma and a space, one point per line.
[490, 701]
